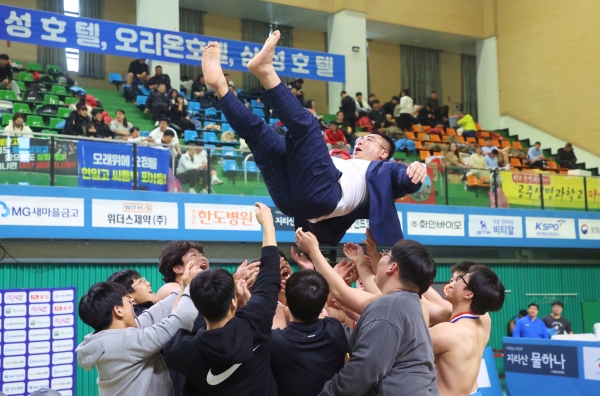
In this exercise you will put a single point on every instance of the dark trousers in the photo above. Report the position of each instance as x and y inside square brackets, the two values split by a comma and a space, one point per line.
[193, 177]
[469, 134]
[567, 164]
[350, 118]
[537, 164]
[158, 110]
[404, 122]
[298, 171]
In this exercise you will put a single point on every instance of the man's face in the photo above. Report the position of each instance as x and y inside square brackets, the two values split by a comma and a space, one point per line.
[557, 309]
[376, 106]
[127, 311]
[163, 126]
[158, 71]
[434, 96]
[227, 78]
[488, 143]
[538, 146]
[394, 101]
[83, 112]
[568, 149]
[142, 61]
[532, 311]
[3, 62]
[339, 117]
[197, 258]
[371, 148]
[142, 291]
[98, 117]
[167, 139]
[492, 155]
[457, 288]
[359, 97]
[333, 127]
[162, 88]
[298, 85]
[202, 81]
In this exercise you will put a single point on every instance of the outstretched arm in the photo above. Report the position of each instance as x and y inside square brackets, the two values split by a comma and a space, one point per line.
[356, 300]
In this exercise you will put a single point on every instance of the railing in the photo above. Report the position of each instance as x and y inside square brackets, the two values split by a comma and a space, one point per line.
[67, 161]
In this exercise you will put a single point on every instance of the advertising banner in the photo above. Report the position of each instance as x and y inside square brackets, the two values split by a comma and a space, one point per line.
[22, 154]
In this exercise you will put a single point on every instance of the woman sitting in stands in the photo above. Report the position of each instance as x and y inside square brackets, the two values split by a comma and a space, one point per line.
[173, 94]
[452, 157]
[17, 127]
[179, 115]
[119, 126]
[102, 130]
[478, 164]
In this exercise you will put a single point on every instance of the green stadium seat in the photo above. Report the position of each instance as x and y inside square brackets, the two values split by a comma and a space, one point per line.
[25, 77]
[49, 132]
[55, 121]
[51, 99]
[35, 121]
[21, 108]
[52, 69]
[21, 86]
[6, 117]
[5, 94]
[70, 101]
[64, 112]
[59, 90]
[34, 67]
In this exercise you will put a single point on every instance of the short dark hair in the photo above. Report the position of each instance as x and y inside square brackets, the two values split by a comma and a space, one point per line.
[171, 256]
[359, 93]
[415, 264]
[343, 93]
[333, 123]
[533, 305]
[391, 143]
[371, 95]
[96, 306]
[96, 111]
[157, 66]
[133, 129]
[433, 92]
[81, 106]
[306, 293]
[397, 99]
[226, 74]
[463, 266]
[4, 57]
[537, 143]
[488, 290]
[299, 80]
[569, 145]
[488, 138]
[523, 312]
[212, 291]
[18, 115]
[165, 119]
[169, 132]
[376, 101]
[494, 151]
[125, 278]
[558, 303]
[339, 112]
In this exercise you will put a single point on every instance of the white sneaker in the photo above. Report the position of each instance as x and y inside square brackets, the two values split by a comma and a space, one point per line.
[19, 98]
[216, 180]
[192, 191]
[204, 191]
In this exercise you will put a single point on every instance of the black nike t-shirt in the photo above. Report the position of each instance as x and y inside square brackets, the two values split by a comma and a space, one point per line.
[561, 325]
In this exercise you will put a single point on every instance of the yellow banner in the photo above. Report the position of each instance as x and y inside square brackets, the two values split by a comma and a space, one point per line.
[560, 192]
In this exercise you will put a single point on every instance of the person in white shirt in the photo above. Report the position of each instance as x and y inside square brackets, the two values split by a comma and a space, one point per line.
[17, 127]
[157, 134]
[134, 136]
[360, 104]
[192, 168]
[119, 126]
[403, 112]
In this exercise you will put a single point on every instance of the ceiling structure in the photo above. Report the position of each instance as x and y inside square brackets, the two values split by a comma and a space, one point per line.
[301, 18]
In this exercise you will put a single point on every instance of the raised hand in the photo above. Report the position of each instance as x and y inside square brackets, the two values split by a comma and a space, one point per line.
[353, 251]
[263, 214]
[301, 259]
[242, 293]
[306, 241]
[347, 270]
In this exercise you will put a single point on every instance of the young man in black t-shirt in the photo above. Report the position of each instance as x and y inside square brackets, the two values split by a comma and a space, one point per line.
[556, 320]
[138, 72]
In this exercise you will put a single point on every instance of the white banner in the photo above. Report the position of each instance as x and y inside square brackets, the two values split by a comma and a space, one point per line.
[436, 224]
[495, 226]
[550, 228]
[134, 214]
[589, 229]
[41, 211]
[360, 226]
[220, 217]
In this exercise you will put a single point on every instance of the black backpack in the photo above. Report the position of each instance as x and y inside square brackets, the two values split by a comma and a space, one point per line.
[47, 110]
[33, 93]
[131, 93]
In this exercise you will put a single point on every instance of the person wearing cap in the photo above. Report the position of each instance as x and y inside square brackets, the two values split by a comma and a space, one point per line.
[556, 321]
[296, 88]
[138, 72]
[82, 97]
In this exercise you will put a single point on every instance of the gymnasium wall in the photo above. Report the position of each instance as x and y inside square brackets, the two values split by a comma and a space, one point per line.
[547, 69]
[315, 90]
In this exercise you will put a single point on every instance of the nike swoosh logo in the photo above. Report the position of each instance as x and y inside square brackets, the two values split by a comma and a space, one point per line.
[217, 379]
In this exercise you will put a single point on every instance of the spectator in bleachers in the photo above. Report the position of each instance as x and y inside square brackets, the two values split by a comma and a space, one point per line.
[192, 168]
[511, 325]
[17, 127]
[443, 117]
[565, 157]
[364, 122]
[339, 117]
[372, 98]
[492, 159]
[531, 326]
[389, 107]
[138, 288]
[159, 78]
[360, 105]
[82, 99]
[134, 136]
[296, 88]
[186, 85]
[311, 106]
[102, 130]
[78, 120]
[230, 83]
[179, 115]
[119, 126]
[6, 76]
[173, 93]
[158, 102]
[335, 138]
[138, 72]
[452, 157]
[556, 321]
[468, 125]
[90, 130]
[535, 156]
[478, 163]
[199, 88]
[433, 102]
[426, 116]
[403, 111]
[348, 108]
[157, 135]
[502, 153]
[378, 116]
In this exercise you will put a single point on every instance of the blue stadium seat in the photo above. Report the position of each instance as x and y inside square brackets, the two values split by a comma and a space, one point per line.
[231, 154]
[226, 127]
[230, 166]
[145, 91]
[251, 167]
[76, 89]
[259, 112]
[209, 137]
[223, 117]
[273, 121]
[140, 101]
[115, 78]
[144, 133]
[188, 136]
[211, 111]
[194, 106]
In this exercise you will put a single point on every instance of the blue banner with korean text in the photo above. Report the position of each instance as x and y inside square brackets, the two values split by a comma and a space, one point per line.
[92, 35]
[541, 359]
[103, 165]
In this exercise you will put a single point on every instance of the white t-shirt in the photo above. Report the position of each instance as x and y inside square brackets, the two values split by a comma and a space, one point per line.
[354, 186]
[157, 135]
[485, 150]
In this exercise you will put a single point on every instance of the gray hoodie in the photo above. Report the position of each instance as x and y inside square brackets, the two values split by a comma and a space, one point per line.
[127, 360]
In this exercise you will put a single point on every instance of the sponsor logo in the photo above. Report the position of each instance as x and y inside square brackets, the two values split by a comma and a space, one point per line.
[13, 375]
[126, 214]
[13, 362]
[62, 308]
[214, 380]
[63, 320]
[544, 227]
[436, 224]
[39, 309]
[360, 226]
[15, 310]
[5, 209]
[591, 363]
[15, 323]
[589, 229]
[220, 217]
[63, 345]
[15, 336]
[62, 370]
[41, 211]
[38, 360]
[14, 349]
[63, 332]
[585, 229]
[39, 335]
[495, 226]
[17, 388]
[62, 358]
[15, 297]
[39, 297]
[62, 383]
[32, 386]
[38, 373]
[63, 295]
[39, 322]
[39, 347]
